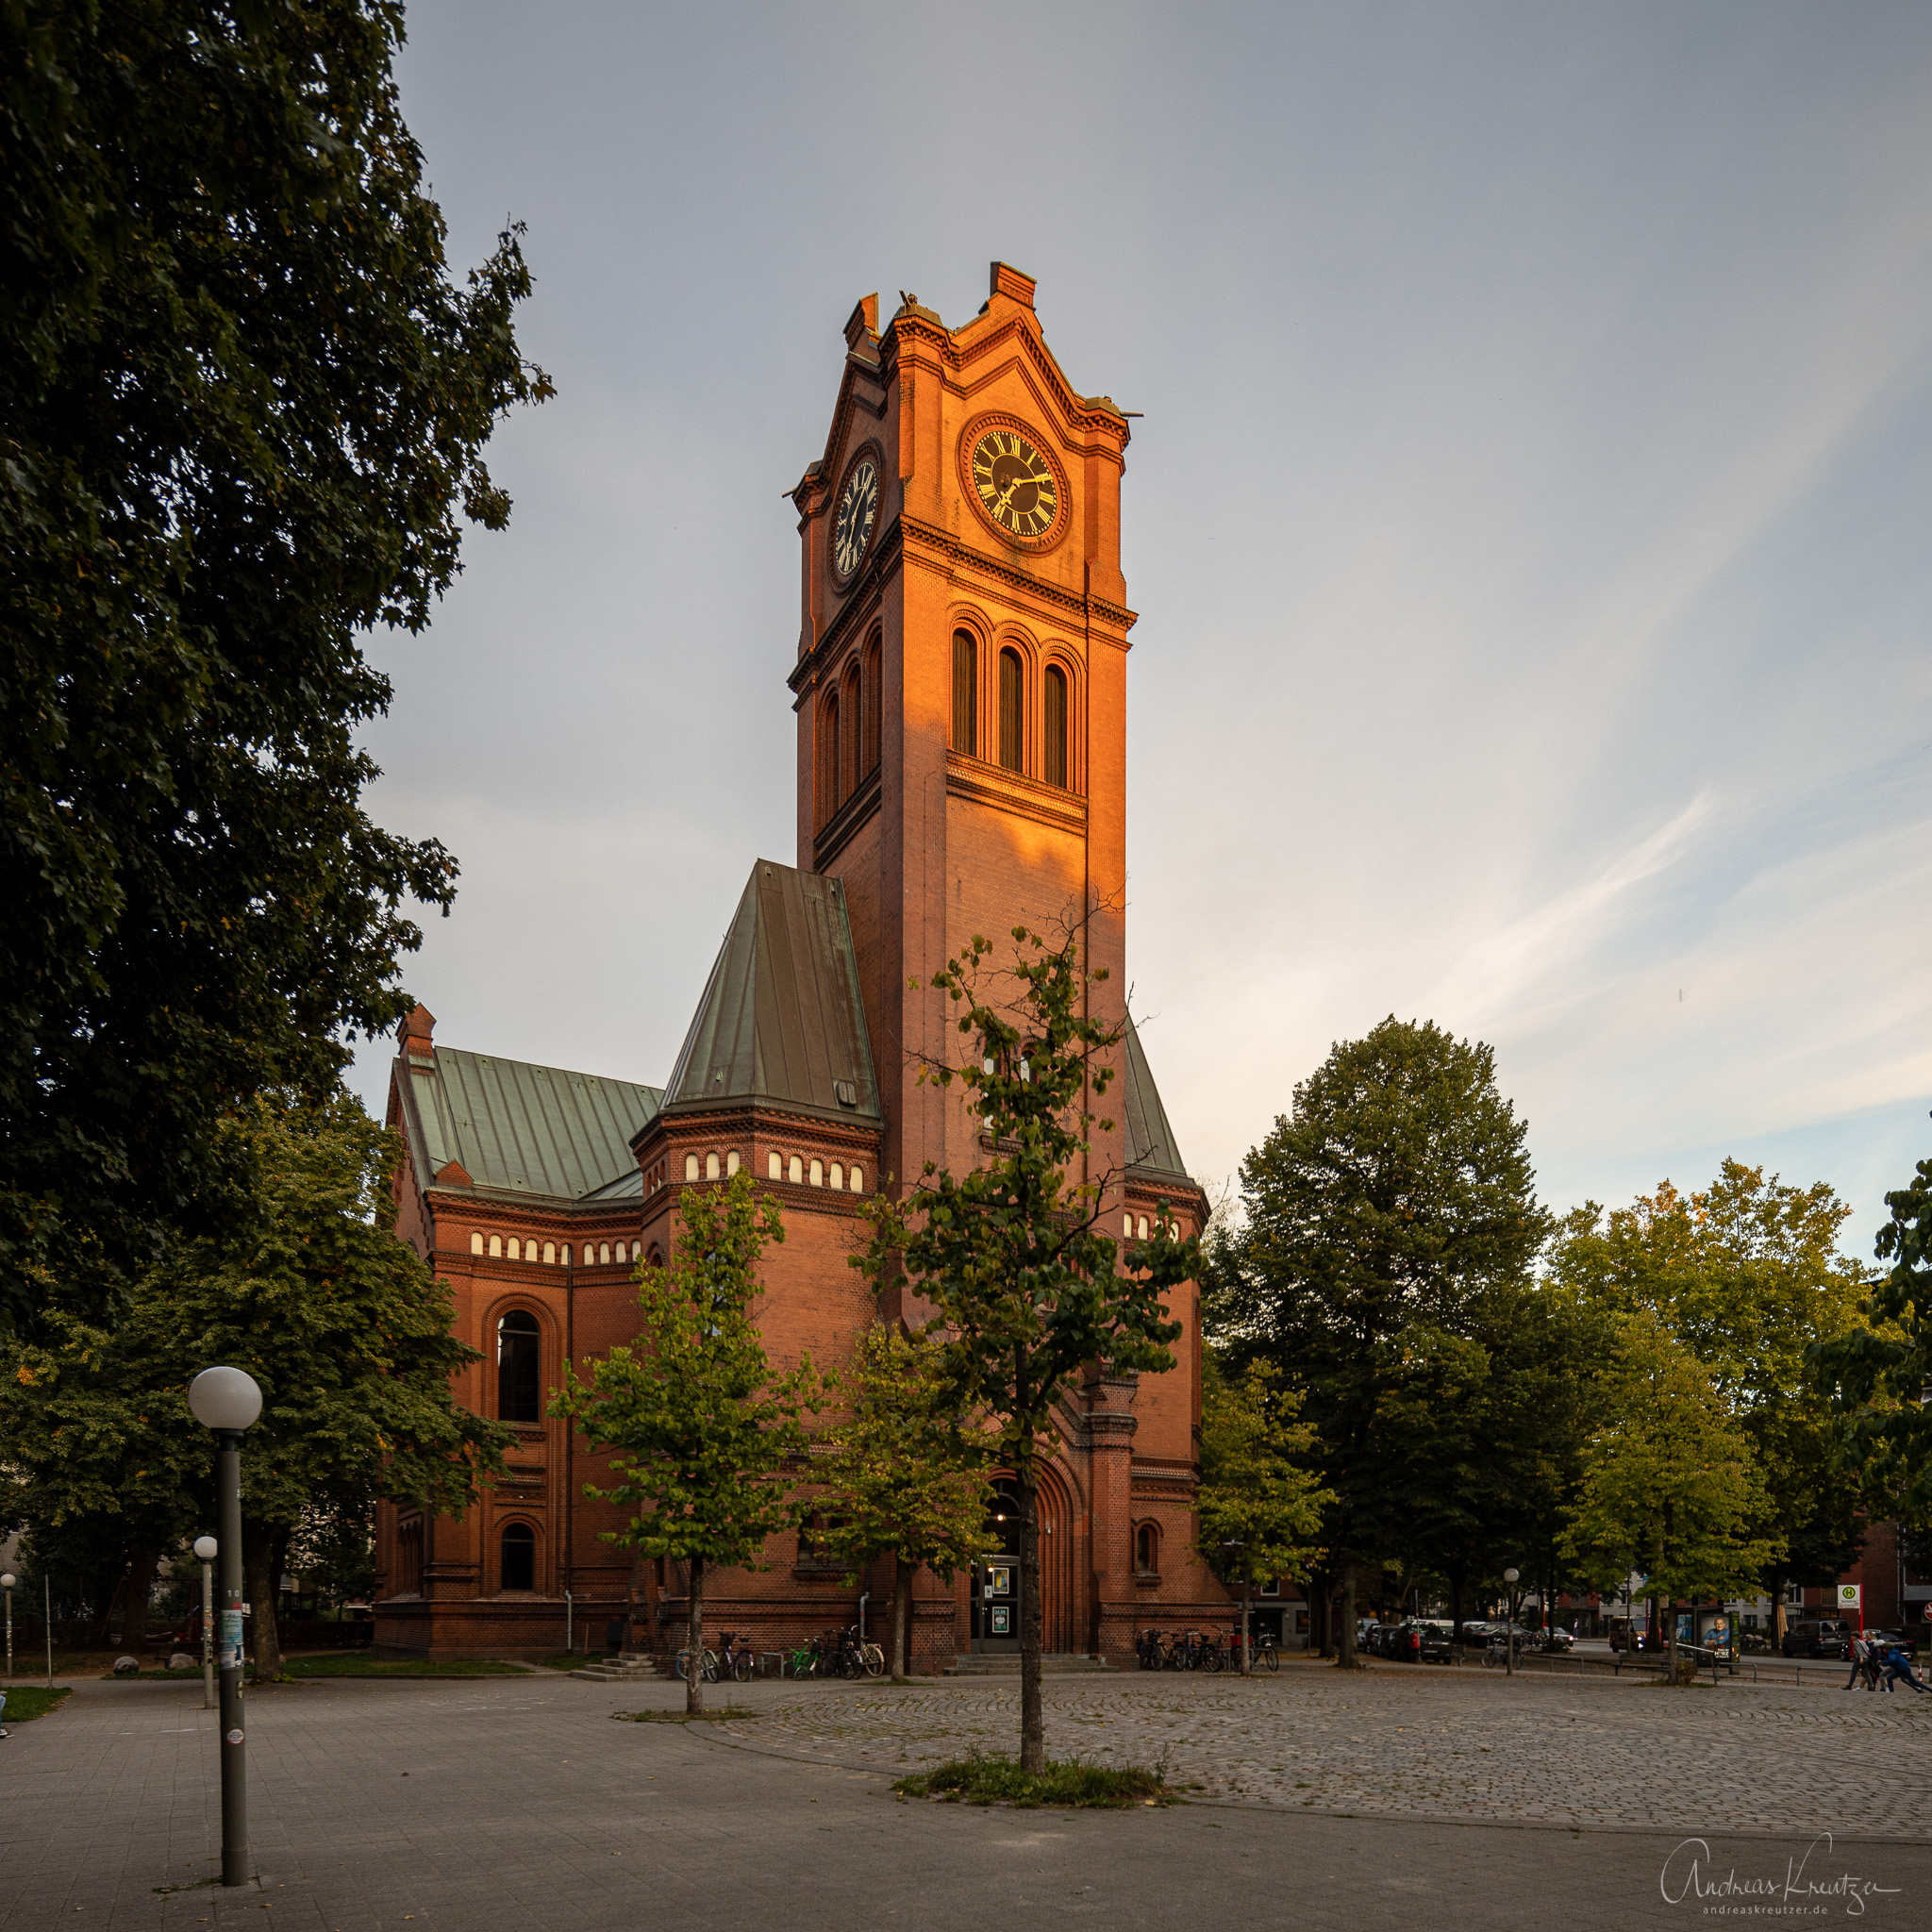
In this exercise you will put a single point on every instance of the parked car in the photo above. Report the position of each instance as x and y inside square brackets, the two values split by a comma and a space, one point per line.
[1477, 1631]
[1557, 1637]
[1423, 1641]
[1819, 1637]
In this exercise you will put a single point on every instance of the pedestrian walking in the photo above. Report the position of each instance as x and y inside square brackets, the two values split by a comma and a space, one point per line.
[1874, 1662]
[2, 1710]
[1857, 1663]
[1898, 1670]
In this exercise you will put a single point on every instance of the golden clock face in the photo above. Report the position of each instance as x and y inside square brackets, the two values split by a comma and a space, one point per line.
[1015, 484]
[858, 505]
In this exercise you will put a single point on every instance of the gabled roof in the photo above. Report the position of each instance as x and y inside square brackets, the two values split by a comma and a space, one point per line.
[780, 1023]
[516, 1128]
[1152, 1150]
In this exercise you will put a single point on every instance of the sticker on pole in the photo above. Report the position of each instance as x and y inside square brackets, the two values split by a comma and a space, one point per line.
[233, 1737]
[228, 1652]
[1849, 1596]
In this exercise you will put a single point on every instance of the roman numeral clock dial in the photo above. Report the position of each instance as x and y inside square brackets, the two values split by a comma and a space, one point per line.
[858, 505]
[1015, 484]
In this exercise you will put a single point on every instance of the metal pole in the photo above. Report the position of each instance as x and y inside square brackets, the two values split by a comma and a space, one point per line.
[207, 1636]
[234, 1757]
[9, 1633]
[47, 1616]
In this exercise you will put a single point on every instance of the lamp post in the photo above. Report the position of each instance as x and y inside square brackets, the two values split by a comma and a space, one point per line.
[228, 1401]
[6, 1585]
[1509, 1577]
[205, 1547]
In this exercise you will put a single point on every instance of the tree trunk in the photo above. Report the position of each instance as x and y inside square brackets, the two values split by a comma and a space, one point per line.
[1032, 1718]
[141, 1564]
[258, 1553]
[902, 1617]
[1778, 1622]
[695, 1643]
[110, 1587]
[1344, 1638]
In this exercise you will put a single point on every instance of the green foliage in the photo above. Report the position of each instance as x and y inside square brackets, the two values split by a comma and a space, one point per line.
[1071, 1782]
[242, 409]
[1747, 1277]
[709, 1440]
[1260, 1508]
[705, 1435]
[1027, 1290]
[1879, 1370]
[1670, 1485]
[900, 1473]
[1385, 1221]
[309, 1289]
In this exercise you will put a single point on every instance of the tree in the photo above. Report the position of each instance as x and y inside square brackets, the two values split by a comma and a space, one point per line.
[1259, 1510]
[1027, 1290]
[905, 1477]
[1747, 1277]
[1670, 1487]
[707, 1438]
[1395, 1194]
[1880, 1371]
[243, 409]
[306, 1287]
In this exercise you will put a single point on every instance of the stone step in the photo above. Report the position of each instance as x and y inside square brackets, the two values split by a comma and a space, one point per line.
[1057, 1664]
[630, 1667]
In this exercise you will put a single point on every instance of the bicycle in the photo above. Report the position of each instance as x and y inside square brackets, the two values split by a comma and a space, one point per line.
[1265, 1653]
[733, 1658]
[707, 1668]
[1495, 1654]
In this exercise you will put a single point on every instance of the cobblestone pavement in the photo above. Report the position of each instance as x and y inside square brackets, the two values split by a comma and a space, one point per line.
[1464, 1745]
[517, 1803]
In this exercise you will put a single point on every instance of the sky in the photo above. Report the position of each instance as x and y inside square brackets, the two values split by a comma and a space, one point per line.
[1530, 522]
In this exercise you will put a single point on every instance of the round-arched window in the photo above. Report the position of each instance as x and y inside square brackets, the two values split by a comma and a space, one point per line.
[519, 1556]
[519, 1367]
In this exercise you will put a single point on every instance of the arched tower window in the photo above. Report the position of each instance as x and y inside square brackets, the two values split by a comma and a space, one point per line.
[519, 1556]
[519, 1367]
[1054, 725]
[966, 693]
[870, 743]
[856, 725]
[1147, 1549]
[828, 758]
[1012, 712]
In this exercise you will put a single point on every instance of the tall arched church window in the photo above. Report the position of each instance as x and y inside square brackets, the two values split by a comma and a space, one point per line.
[519, 1556]
[966, 693]
[1054, 727]
[855, 724]
[1012, 712]
[519, 1367]
[829, 750]
[870, 743]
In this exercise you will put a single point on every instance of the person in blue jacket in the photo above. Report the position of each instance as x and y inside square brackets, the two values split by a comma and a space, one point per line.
[1898, 1670]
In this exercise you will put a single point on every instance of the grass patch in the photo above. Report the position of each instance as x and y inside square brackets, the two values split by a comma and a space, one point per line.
[571, 1660]
[977, 1781]
[357, 1663]
[681, 1717]
[24, 1706]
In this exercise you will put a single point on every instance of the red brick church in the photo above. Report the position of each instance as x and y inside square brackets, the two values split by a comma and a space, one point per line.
[961, 692]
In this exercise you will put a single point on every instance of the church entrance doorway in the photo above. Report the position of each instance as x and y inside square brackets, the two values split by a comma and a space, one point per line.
[996, 1581]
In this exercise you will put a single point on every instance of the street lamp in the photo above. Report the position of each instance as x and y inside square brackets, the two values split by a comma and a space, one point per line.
[205, 1547]
[7, 1583]
[1509, 1577]
[228, 1401]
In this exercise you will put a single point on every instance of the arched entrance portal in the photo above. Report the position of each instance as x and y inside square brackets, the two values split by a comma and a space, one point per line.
[996, 1583]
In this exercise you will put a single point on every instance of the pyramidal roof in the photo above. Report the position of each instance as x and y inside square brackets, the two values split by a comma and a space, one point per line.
[780, 1023]
[517, 1128]
[1151, 1145]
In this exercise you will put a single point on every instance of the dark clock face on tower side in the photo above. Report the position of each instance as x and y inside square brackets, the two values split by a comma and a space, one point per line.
[858, 504]
[1015, 484]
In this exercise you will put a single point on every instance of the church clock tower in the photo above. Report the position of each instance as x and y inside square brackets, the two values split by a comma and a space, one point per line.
[961, 675]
